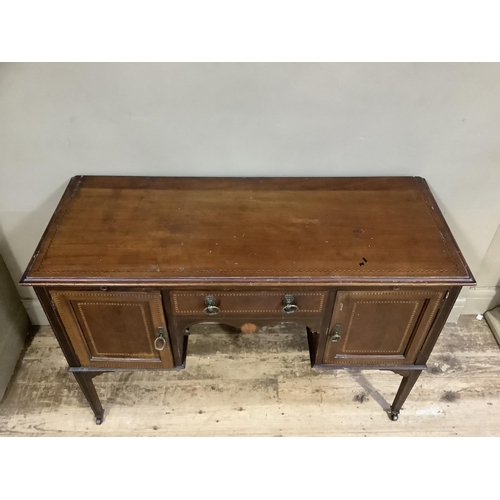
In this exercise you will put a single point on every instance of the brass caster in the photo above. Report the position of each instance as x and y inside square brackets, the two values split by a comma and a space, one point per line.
[394, 415]
[99, 420]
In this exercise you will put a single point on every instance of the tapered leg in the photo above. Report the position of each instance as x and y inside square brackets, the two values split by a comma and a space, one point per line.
[409, 379]
[87, 386]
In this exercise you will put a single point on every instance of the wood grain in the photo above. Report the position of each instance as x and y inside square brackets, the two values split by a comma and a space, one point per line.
[383, 326]
[261, 385]
[130, 229]
[114, 329]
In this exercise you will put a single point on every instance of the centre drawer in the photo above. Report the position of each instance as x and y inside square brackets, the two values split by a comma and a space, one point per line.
[255, 303]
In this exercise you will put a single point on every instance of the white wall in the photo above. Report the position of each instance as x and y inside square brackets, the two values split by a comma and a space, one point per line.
[487, 294]
[438, 121]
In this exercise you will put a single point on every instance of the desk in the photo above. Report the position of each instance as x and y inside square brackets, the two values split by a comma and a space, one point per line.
[128, 264]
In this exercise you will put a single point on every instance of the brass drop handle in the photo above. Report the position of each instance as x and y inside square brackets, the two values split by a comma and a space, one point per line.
[211, 308]
[289, 307]
[336, 330]
[160, 340]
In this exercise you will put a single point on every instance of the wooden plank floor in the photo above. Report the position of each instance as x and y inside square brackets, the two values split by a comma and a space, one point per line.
[261, 385]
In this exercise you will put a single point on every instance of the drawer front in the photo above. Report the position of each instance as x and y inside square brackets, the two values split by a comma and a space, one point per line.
[208, 303]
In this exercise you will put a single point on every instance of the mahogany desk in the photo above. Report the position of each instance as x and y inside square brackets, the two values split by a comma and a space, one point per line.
[128, 264]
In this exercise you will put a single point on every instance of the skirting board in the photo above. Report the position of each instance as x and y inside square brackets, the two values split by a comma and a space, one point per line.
[481, 299]
[35, 312]
[457, 310]
[492, 317]
[478, 301]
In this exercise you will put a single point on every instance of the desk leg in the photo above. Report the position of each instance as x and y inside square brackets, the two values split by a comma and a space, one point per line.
[87, 386]
[409, 379]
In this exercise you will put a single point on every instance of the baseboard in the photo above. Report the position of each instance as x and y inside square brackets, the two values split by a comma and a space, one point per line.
[478, 301]
[457, 310]
[493, 319]
[35, 312]
[481, 299]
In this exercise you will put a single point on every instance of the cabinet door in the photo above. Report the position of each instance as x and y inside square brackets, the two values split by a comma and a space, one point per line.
[383, 327]
[116, 329]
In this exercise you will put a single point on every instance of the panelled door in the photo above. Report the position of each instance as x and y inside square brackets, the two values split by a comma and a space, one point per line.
[380, 327]
[116, 329]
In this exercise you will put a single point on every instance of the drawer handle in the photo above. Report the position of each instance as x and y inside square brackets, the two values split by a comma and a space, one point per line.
[289, 307]
[336, 331]
[211, 308]
[160, 340]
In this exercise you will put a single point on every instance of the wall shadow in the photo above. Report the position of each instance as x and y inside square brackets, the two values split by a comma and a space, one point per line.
[20, 233]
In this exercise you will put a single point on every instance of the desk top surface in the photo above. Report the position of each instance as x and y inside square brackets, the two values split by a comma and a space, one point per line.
[148, 230]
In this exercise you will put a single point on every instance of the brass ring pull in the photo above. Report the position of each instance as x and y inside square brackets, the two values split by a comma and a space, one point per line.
[289, 307]
[160, 338]
[211, 308]
[336, 331]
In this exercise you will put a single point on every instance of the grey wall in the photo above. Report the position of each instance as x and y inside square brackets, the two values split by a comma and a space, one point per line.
[14, 325]
[489, 272]
[438, 121]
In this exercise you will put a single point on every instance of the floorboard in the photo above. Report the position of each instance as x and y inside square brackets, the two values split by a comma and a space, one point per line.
[261, 385]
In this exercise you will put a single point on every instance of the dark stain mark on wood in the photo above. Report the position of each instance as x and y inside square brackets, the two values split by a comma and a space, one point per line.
[357, 233]
[360, 398]
[264, 383]
[450, 396]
